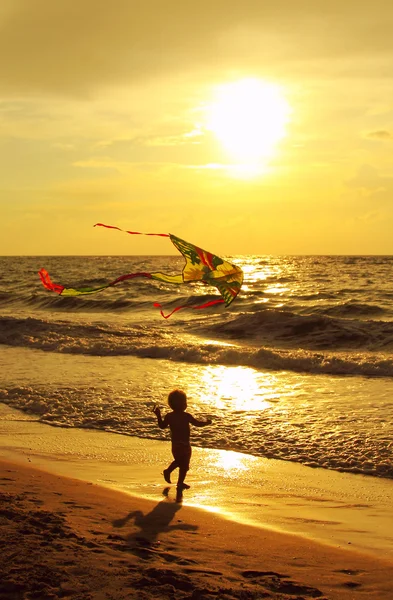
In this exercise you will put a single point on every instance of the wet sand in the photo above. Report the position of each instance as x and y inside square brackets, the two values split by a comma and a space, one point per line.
[87, 515]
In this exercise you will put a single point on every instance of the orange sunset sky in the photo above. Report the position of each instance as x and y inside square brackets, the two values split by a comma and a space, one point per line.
[259, 126]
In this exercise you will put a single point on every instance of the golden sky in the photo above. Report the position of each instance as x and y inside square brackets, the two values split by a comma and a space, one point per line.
[261, 126]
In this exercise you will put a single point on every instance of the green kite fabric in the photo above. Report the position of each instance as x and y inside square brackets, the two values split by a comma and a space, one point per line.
[200, 265]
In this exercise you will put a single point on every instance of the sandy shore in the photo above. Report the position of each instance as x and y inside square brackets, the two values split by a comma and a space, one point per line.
[64, 538]
[86, 515]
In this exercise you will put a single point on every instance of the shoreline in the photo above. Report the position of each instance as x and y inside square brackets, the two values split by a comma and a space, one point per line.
[61, 389]
[340, 510]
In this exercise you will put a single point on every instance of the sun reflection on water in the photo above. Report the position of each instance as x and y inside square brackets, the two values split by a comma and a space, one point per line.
[255, 272]
[238, 388]
[276, 289]
[232, 461]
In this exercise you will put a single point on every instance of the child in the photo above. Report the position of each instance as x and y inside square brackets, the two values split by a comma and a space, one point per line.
[179, 423]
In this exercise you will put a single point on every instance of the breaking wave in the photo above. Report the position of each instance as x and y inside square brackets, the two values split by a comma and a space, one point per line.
[308, 344]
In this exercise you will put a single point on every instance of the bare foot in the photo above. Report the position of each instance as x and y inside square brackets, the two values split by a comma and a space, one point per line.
[183, 486]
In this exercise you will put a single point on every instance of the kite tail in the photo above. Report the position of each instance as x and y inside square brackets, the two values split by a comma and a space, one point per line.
[47, 282]
[64, 291]
[130, 232]
[206, 305]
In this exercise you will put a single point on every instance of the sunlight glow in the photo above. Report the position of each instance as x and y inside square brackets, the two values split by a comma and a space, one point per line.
[276, 289]
[249, 117]
[234, 461]
[238, 388]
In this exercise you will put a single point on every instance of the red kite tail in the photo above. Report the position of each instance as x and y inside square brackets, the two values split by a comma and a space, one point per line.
[206, 305]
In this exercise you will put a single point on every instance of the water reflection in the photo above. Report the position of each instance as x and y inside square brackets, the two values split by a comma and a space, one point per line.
[238, 388]
[230, 461]
[254, 272]
[276, 289]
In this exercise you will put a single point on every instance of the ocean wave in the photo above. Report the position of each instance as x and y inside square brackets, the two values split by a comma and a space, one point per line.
[355, 309]
[145, 341]
[311, 332]
[121, 299]
[316, 296]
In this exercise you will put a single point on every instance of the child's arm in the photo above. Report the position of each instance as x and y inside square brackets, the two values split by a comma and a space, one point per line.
[199, 423]
[162, 422]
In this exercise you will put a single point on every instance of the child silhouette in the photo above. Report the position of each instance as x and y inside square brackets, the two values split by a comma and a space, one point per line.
[178, 422]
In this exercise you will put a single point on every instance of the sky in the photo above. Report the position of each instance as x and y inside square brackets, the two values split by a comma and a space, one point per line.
[253, 127]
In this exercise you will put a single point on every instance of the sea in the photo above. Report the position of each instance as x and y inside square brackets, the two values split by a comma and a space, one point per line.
[298, 368]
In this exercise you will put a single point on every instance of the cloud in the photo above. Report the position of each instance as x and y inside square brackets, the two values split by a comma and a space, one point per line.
[381, 134]
[372, 189]
[63, 47]
[368, 178]
[192, 137]
[102, 163]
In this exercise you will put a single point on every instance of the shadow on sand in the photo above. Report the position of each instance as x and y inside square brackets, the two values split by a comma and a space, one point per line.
[151, 525]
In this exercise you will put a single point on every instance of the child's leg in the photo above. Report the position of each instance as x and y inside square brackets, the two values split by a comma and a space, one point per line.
[167, 472]
[182, 455]
[184, 465]
[182, 475]
[174, 464]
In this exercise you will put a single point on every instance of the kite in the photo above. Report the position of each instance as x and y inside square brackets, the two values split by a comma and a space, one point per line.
[200, 265]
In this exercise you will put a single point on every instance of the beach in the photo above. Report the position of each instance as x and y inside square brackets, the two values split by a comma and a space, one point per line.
[291, 486]
[196, 200]
[87, 515]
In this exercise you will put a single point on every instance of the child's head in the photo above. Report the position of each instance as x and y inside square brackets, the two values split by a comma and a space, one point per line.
[177, 400]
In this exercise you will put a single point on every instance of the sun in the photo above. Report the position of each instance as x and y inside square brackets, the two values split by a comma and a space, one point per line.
[249, 117]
